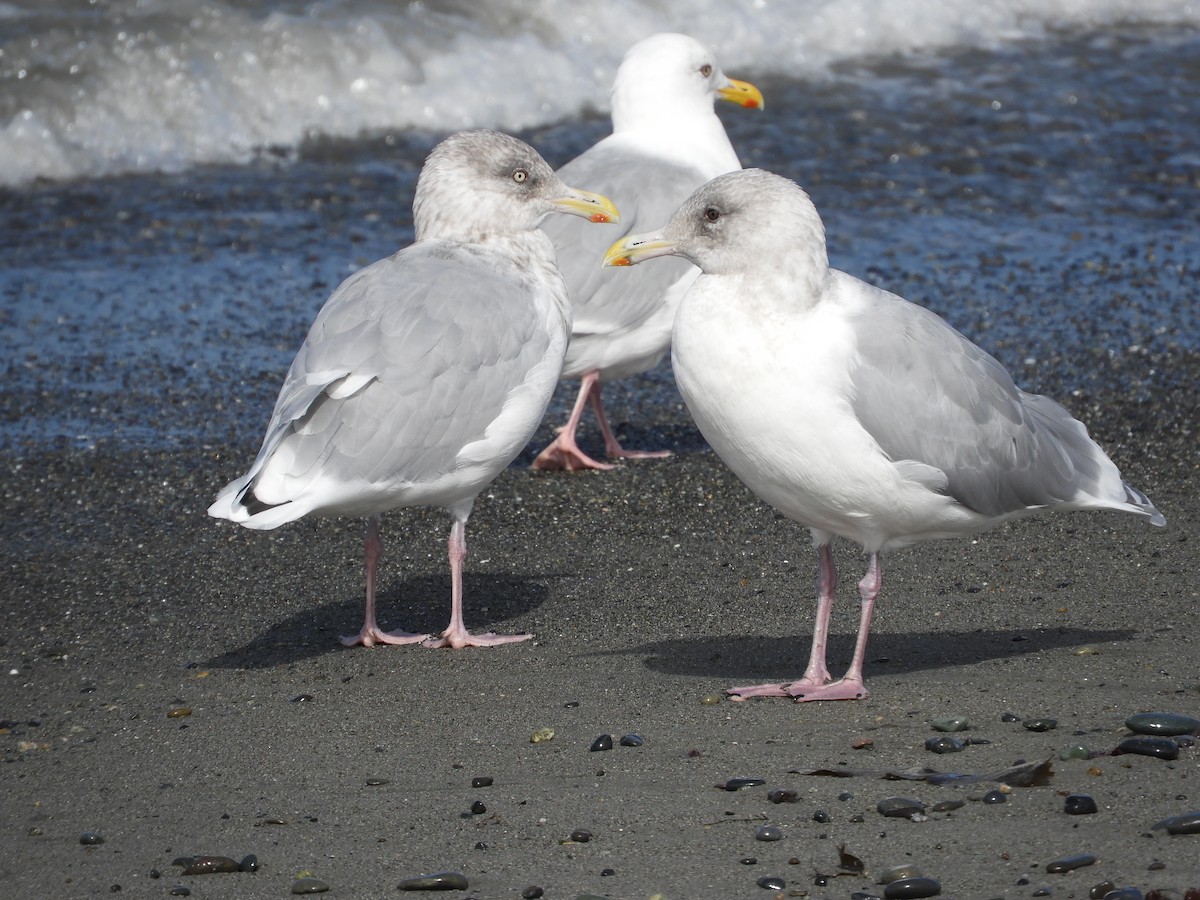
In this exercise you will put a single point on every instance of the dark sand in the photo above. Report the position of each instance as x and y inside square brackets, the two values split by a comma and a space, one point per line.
[649, 588]
[1043, 199]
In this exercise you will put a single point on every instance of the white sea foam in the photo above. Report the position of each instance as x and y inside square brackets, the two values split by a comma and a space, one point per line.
[135, 85]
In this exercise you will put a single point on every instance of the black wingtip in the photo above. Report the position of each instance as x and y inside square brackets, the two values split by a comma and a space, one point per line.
[253, 505]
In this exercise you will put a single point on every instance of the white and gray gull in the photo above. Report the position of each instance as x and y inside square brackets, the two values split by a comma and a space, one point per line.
[666, 141]
[849, 409]
[426, 373]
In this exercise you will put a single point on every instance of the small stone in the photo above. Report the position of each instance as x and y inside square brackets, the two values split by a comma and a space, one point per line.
[478, 808]
[947, 805]
[91, 838]
[309, 885]
[541, 736]
[1041, 724]
[1044, 891]
[1070, 863]
[1162, 724]
[438, 881]
[1124, 893]
[1098, 891]
[1009, 717]
[1187, 823]
[912, 887]
[1075, 751]
[1160, 747]
[771, 882]
[711, 699]
[1080, 805]
[581, 835]
[180, 890]
[249, 863]
[533, 892]
[845, 795]
[376, 782]
[607, 873]
[179, 712]
[632, 740]
[782, 795]
[740, 784]
[303, 698]
[35, 831]
[211, 865]
[603, 742]
[768, 833]
[945, 744]
[900, 807]
[749, 860]
[862, 744]
[995, 796]
[955, 723]
[896, 873]
[821, 817]
[482, 781]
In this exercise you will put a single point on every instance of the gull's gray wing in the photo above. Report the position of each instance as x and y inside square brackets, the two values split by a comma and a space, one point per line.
[410, 360]
[647, 190]
[931, 398]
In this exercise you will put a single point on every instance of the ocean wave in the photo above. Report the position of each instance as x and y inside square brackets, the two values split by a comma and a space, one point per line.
[121, 86]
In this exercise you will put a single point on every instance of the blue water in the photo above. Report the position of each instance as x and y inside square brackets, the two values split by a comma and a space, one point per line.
[1035, 181]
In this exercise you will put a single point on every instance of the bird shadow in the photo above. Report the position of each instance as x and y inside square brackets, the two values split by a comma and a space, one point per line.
[420, 604]
[738, 657]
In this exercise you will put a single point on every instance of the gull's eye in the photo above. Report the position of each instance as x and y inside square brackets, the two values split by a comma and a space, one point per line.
[712, 214]
[706, 70]
[520, 176]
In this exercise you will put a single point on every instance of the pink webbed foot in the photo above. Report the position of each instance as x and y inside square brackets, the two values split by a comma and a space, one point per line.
[564, 455]
[370, 635]
[804, 691]
[619, 452]
[456, 639]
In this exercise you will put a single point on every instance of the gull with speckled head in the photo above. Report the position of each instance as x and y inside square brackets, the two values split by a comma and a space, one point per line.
[426, 373]
[666, 142]
[849, 409]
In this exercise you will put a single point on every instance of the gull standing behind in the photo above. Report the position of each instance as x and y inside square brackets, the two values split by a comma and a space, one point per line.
[849, 409]
[426, 373]
[666, 142]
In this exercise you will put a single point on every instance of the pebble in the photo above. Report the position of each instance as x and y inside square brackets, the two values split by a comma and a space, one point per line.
[309, 885]
[303, 698]
[581, 835]
[249, 863]
[1160, 747]
[90, 838]
[1009, 717]
[768, 833]
[478, 808]
[1124, 893]
[533, 892]
[1187, 823]
[945, 744]
[1041, 724]
[955, 723]
[896, 873]
[821, 817]
[1163, 724]
[995, 796]
[179, 712]
[1098, 891]
[632, 740]
[438, 881]
[603, 742]
[771, 882]
[541, 736]
[711, 699]
[180, 890]
[211, 865]
[1070, 863]
[1075, 751]
[749, 860]
[947, 805]
[1080, 805]
[739, 784]
[912, 887]
[376, 782]
[482, 781]
[900, 807]
[782, 795]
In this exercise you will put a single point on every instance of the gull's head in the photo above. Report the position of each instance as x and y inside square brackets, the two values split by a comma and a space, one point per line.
[672, 76]
[477, 183]
[742, 222]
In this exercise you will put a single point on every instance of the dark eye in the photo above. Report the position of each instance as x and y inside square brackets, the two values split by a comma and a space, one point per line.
[706, 70]
[712, 214]
[520, 176]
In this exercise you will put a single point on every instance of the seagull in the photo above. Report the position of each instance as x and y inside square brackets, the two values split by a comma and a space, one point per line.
[426, 373]
[666, 142]
[849, 409]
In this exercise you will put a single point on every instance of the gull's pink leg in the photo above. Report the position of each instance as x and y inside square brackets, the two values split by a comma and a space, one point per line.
[612, 447]
[816, 676]
[563, 453]
[850, 686]
[456, 635]
[371, 634]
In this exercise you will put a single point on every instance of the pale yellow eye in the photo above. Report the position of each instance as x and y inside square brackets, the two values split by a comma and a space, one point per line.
[520, 176]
